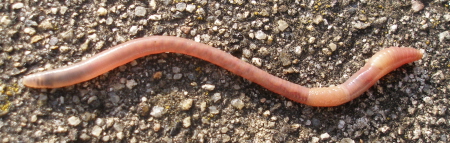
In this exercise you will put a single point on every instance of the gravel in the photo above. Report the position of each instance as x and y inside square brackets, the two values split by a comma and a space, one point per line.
[176, 98]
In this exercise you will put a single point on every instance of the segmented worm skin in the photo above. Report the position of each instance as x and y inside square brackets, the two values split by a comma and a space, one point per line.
[379, 65]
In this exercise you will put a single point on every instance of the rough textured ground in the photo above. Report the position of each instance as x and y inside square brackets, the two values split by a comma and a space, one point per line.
[163, 98]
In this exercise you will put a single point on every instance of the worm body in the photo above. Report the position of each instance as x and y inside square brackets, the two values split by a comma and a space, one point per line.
[379, 65]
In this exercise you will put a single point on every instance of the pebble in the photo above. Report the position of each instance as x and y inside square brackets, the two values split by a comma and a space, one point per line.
[96, 131]
[384, 129]
[53, 41]
[63, 10]
[118, 126]
[120, 135]
[226, 138]
[393, 28]
[208, 87]
[17, 5]
[177, 76]
[380, 21]
[237, 103]
[74, 121]
[181, 6]
[311, 40]
[33, 118]
[155, 17]
[347, 140]
[360, 25]
[216, 97]
[29, 31]
[332, 46]
[143, 109]
[105, 138]
[318, 19]
[102, 11]
[131, 83]
[260, 35]
[446, 18]
[246, 53]
[42, 100]
[266, 113]
[186, 104]
[324, 136]
[190, 8]
[133, 30]
[156, 127]
[176, 69]
[140, 11]
[428, 100]
[100, 122]
[282, 25]
[257, 62]
[416, 5]
[157, 111]
[84, 136]
[187, 122]
[315, 139]
[444, 35]
[5, 21]
[157, 75]
[310, 27]
[45, 25]
[263, 51]
[224, 130]
[213, 110]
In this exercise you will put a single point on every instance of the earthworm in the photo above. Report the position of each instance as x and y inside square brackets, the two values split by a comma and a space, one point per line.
[377, 66]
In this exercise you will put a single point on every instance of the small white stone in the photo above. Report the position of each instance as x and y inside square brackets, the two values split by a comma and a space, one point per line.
[237, 103]
[131, 83]
[187, 122]
[332, 46]
[181, 6]
[155, 17]
[96, 131]
[260, 35]
[133, 30]
[208, 87]
[216, 97]
[257, 62]
[102, 11]
[428, 100]
[186, 104]
[324, 136]
[156, 127]
[74, 121]
[17, 5]
[29, 31]
[190, 8]
[393, 28]
[384, 129]
[266, 113]
[312, 40]
[140, 11]
[282, 25]
[157, 111]
[417, 5]
[120, 135]
[63, 9]
[318, 19]
[213, 110]
[341, 124]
